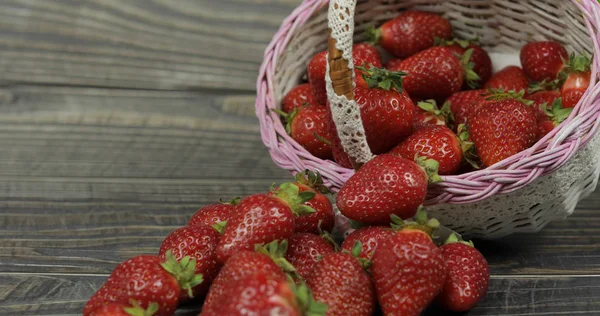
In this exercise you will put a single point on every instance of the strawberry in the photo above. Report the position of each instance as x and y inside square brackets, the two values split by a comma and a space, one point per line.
[511, 78]
[541, 101]
[369, 237]
[297, 97]
[393, 63]
[266, 259]
[384, 98]
[305, 250]
[117, 309]
[428, 114]
[553, 116]
[340, 282]
[503, 127]
[362, 53]
[462, 102]
[147, 279]
[200, 243]
[323, 218]
[410, 32]
[542, 61]
[435, 73]
[386, 185]
[307, 125]
[214, 215]
[262, 218]
[408, 271]
[578, 76]
[468, 276]
[435, 142]
[482, 64]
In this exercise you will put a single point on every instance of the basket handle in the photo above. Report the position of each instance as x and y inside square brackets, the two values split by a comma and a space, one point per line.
[346, 115]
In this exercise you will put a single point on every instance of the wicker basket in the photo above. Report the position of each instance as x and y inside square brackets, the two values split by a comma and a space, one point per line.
[521, 193]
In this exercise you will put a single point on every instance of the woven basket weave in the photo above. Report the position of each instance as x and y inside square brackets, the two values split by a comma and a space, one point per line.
[521, 193]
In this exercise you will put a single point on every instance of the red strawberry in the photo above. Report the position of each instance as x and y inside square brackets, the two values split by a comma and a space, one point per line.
[435, 142]
[542, 61]
[342, 284]
[410, 32]
[214, 215]
[511, 78]
[262, 218]
[428, 114]
[256, 294]
[362, 53]
[305, 250]
[408, 271]
[542, 101]
[297, 97]
[383, 99]
[482, 64]
[117, 309]
[393, 64]
[462, 102]
[578, 76]
[307, 125]
[268, 259]
[147, 279]
[385, 185]
[468, 276]
[369, 237]
[502, 128]
[323, 218]
[435, 73]
[553, 116]
[200, 243]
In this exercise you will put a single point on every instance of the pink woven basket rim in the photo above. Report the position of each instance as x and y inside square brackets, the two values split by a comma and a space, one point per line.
[513, 173]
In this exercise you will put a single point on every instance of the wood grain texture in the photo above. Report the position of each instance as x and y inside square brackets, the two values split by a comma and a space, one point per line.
[51, 294]
[161, 44]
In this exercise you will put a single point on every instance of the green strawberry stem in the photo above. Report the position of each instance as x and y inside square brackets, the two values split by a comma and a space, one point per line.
[306, 301]
[420, 221]
[382, 78]
[219, 226]
[325, 235]
[184, 271]
[467, 147]
[321, 139]
[313, 179]
[137, 310]
[276, 250]
[473, 79]
[356, 250]
[500, 95]
[429, 106]
[546, 85]
[576, 63]
[288, 118]
[430, 166]
[235, 201]
[464, 44]
[557, 113]
[290, 194]
[373, 35]
[453, 238]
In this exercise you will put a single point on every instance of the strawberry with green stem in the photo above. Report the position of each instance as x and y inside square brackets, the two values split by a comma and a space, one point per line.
[369, 237]
[307, 125]
[577, 76]
[480, 59]
[436, 73]
[132, 309]
[410, 32]
[386, 185]
[554, 115]
[511, 78]
[147, 279]
[428, 114]
[324, 217]
[461, 103]
[214, 215]
[340, 281]
[300, 95]
[468, 275]
[542, 61]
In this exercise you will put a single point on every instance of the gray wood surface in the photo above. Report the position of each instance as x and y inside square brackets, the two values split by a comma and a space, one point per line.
[118, 119]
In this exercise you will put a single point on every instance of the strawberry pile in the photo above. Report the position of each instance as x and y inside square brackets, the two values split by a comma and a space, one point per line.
[437, 97]
[272, 254]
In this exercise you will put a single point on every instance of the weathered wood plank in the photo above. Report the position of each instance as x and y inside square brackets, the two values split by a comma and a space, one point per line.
[55, 294]
[137, 44]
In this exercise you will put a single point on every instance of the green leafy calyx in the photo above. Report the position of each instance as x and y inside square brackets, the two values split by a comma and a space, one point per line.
[276, 250]
[306, 301]
[313, 179]
[290, 194]
[184, 271]
[430, 166]
[137, 310]
[382, 78]
[373, 35]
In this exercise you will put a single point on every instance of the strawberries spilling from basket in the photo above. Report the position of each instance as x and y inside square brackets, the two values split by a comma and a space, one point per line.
[400, 267]
[425, 63]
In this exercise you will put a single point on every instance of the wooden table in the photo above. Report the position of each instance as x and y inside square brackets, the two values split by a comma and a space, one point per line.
[120, 118]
